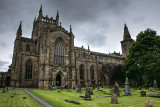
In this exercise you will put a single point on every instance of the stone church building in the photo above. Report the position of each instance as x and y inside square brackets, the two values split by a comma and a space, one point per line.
[50, 58]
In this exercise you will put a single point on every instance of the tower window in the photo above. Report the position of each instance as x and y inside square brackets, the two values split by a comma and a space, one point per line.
[28, 70]
[59, 52]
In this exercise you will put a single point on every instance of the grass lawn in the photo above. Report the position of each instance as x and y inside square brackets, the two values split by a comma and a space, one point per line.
[17, 101]
[57, 99]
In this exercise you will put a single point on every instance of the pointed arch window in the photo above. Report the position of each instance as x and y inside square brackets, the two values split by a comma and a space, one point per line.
[92, 72]
[28, 74]
[59, 52]
[81, 68]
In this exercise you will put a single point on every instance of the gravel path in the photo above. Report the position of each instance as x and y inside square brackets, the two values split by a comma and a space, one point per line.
[39, 100]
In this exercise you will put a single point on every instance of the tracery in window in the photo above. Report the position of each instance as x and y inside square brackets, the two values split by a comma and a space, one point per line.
[59, 52]
[28, 69]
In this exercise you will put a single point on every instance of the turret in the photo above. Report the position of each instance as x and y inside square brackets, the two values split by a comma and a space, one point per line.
[40, 14]
[19, 31]
[57, 18]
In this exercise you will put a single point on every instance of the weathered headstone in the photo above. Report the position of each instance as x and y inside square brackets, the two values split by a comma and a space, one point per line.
[79, 88]
[140, 87]
[114, 99]
[149, 104]
[4, 90]
[143, 93]
[155, 85]
[87, 94]
[91, 91]
[127, 87]
[116, 89]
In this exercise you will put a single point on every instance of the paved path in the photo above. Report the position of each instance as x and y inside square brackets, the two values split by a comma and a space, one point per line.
[39, 100]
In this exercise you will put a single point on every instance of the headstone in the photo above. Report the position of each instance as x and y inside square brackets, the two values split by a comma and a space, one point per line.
[91, 91]
[79, 88]
[4, 90]
[87, 94]
[127, 88]
[149, 104]
[114, 99]
[152, 89]
[143, 93]
[155, 85]
[71, 101]
[116, 89]
[140, 87]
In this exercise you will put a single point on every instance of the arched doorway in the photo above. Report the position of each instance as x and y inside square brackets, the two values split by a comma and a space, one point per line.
[58, 80]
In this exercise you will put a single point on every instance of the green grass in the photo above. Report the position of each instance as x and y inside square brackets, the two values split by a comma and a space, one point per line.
[17, 100]
[57, 99]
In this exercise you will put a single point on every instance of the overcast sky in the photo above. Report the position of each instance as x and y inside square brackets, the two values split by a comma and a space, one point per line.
[97, 23]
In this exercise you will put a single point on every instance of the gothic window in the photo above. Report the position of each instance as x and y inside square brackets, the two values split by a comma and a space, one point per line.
[59, 52]
[92, 72]
[28, 70]
[28, 48]
[81, 68]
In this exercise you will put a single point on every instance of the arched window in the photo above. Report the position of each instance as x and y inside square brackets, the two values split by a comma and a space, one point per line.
[28, 70]
[92, 72]
[28, 48]
[59, 52]
[81, 68]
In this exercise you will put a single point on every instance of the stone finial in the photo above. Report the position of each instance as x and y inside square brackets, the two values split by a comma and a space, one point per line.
[19, 31]
[88, 47]
[40, 14]
[57, 18]
[70, 28]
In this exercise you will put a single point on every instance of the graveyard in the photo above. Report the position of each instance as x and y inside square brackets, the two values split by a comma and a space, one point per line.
[16, 98]
[100, 98]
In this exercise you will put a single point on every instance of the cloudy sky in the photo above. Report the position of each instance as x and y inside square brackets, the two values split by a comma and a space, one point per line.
[97, 23]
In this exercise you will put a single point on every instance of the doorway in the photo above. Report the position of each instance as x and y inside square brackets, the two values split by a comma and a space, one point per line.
[58, 80]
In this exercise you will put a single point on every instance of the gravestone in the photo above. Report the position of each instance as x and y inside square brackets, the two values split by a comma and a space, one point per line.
[79, 88]
[140, 87]
[4, 90]
[149, 104]
[143, 93]
[114, 99]
[91, 91]
[155, 85]
[87, 94]
[71, 101]
[152, 89]
[127, 88]
[116, 89]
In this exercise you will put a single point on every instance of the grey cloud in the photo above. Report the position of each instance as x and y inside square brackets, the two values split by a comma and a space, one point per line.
[10, 56]
[2, 63]
[3, 44]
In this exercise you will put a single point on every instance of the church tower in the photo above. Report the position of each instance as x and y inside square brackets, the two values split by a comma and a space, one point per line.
[127, 42]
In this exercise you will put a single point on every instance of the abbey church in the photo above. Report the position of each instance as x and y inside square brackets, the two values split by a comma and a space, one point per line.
[50, 58]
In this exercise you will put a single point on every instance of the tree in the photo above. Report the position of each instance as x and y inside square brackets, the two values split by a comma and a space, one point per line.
[143, 58]
[117, 74]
